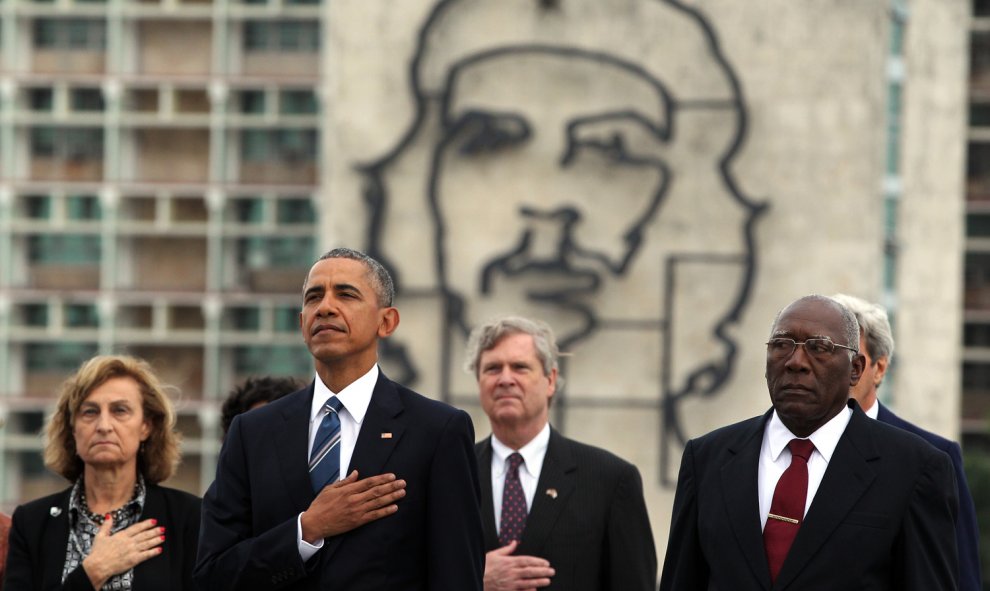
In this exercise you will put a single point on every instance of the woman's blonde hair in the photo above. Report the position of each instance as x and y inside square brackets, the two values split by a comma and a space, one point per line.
[159, 454]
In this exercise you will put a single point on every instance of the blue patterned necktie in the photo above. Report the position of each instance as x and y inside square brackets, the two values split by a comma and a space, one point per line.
[514, 511]
[324, 462]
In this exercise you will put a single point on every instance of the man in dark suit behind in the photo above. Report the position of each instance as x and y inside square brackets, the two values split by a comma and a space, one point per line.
[877, 505]
[403, 513]
[876, 343]
[570, 516]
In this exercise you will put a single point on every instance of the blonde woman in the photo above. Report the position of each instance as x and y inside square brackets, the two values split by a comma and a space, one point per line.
[112, 437]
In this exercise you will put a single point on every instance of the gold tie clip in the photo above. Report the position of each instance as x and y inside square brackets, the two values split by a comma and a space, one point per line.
[782, 518]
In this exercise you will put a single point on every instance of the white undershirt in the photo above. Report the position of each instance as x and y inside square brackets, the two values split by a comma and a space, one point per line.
[529, 471]
[775, 457]
[355, 397]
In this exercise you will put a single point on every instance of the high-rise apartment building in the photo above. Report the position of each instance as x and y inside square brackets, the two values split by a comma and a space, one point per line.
[158, 182]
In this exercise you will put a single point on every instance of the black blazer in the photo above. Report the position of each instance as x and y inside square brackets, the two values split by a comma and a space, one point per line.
[249, 531]
[595, 532]
[967, 530]
[38, 542]
[882, 519]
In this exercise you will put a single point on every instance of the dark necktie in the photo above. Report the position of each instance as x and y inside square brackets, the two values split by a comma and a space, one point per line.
[787, 507]
[513, 504]
[324, 461]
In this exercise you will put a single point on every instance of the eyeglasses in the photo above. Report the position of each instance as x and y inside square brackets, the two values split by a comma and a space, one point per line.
[821, 347]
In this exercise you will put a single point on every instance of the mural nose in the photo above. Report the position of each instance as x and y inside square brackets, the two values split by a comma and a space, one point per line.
[548, 232]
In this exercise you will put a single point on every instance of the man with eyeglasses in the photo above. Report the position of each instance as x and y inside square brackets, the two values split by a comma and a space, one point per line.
[812, 495]
[876, 343]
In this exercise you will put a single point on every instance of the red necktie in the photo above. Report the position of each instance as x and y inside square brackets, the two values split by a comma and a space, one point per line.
[513, 519]
[787, 508]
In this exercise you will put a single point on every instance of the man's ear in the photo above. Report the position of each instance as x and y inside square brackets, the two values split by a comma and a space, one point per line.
[389, 322]
[856, 371]
[881, 371]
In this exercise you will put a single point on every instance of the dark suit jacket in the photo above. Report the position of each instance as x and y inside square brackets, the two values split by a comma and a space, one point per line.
[249, 533]
[596, 532]
[967, 531]
[882, 519]
[38, 542]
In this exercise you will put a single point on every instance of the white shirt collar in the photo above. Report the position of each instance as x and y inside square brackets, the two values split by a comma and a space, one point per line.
[826, 438]
[874, 410]
[532, 453]
[355, 397]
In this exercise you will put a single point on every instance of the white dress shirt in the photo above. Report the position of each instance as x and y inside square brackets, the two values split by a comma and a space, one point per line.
[529, 472]
[874, 411]
[775, 457]
[356, 397]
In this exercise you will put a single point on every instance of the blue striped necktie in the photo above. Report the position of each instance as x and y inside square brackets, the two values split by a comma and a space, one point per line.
[324, 462]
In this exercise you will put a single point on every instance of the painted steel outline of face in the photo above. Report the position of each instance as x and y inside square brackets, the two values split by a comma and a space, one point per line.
[706, 380]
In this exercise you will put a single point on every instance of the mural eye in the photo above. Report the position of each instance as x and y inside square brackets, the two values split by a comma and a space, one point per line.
[480, 133]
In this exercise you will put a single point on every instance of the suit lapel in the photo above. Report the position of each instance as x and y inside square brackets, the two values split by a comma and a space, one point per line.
[557, 475]
[740, 494]
[291, 443]
[54, 540]
[380, 433]
[484, 452]
[847, 477]
[155, 572]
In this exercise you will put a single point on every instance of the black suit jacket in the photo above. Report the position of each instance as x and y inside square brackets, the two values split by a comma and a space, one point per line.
[249, 532]
[595, 532]
[967, 530]
[882, 519]
[38, 542]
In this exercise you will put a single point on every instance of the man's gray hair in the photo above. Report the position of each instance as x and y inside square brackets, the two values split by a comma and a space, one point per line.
[850, 326]
[381, 280]
[873, 322]
[486, 336]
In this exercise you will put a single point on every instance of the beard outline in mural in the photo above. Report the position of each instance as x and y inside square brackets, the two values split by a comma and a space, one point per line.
[574, 166]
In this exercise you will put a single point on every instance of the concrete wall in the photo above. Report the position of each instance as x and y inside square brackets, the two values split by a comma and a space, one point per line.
[768, 121]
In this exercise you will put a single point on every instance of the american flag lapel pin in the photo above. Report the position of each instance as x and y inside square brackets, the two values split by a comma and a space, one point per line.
[386, 435]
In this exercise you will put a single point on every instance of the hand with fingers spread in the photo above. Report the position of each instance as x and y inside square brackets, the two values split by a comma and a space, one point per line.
[350, 503]
[115, 553]
[505, 572]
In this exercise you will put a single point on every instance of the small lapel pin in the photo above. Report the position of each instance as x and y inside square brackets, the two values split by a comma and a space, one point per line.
[386, 435]
[552, 493]
[55, 511]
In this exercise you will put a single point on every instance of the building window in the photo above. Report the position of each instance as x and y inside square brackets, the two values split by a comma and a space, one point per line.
[280, 145]
[252, 102]
[265, 253]
[87, 99]
[272, 360]
[37, 207]
[61, 358]
[242, 318]
[35, 315]
[81, 316]
[65, 34]
[296, 211]
[298, 102]
[282, 36]
[287, 319]
[72, 144]
[83, 207]
[64, 249]
[246, 210]
[40, 100]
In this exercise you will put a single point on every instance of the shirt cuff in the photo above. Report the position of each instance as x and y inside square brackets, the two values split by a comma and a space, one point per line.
[306, 550]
